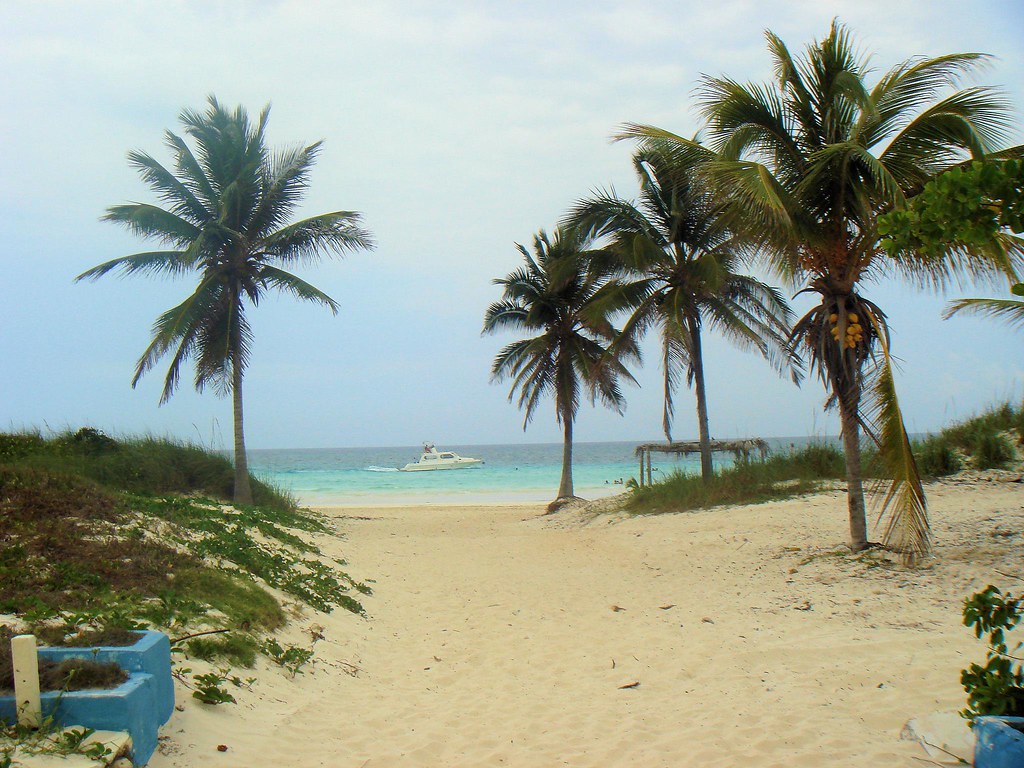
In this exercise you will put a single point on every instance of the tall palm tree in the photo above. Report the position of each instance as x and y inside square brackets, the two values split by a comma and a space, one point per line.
[809, 162]
[226, 208]
[566, 351]
[682, 266]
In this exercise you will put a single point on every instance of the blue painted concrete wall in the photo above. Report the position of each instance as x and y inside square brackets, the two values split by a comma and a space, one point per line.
[151, 654]
[139, 706]
[998, 742]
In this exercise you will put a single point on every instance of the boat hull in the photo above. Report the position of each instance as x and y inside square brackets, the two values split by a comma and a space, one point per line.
[442, 465]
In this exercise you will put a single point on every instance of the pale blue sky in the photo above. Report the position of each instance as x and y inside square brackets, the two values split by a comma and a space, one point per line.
[457, 129]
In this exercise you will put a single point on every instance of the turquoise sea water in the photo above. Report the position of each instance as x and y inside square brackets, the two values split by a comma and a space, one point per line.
[511, 473]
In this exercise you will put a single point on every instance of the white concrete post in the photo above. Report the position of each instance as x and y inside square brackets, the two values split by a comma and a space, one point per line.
[26, 680]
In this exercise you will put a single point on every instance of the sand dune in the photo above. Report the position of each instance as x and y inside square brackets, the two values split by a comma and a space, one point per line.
[738, 636]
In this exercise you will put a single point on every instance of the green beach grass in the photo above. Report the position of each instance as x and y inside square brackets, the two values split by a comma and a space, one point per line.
[989, 441]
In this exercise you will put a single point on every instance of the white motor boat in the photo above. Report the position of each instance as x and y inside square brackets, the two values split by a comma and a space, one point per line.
[431, 458]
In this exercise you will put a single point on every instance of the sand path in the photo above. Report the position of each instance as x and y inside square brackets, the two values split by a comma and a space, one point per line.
[732, 637]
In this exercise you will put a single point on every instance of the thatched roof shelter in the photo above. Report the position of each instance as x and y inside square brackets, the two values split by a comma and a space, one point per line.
[742, 447]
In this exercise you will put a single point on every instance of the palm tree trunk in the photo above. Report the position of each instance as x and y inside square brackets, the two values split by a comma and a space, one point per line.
[243, 492]
[707, 469]
[854, 481]
[565, 489]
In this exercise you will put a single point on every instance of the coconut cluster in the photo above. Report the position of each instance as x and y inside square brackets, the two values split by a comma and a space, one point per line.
[854, 330]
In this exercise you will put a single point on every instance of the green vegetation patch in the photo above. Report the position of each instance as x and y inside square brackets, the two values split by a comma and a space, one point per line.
[992, 440]
[62, 550]
[109, 637]
[237, 649]
[989, 441]
[140, 465]
[245, 540]
[236, 595]
[780, 476]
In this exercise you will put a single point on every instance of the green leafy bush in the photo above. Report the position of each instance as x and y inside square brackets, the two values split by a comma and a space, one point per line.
[292, 657]
[964, 206]
[210, 688]
[997, 688]
[91, 441]
[987, 441]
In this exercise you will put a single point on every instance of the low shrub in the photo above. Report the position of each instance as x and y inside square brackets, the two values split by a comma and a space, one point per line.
[937, 459]
[993, 450]
[237, 649]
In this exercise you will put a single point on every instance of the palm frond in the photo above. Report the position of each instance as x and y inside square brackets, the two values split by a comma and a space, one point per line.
[969, 123]
[157, 262]
[846, 159]
[503, 315]
[296, 286]
[152, 221]
[285, 180]
[604, 214]
[677, 365]
[192, 175]
[225, 343]
[910, 85]
[759, 198]
[962, 266]
[169, 188]
[639, 131]
[177, 327]
[1009, 311]
[612, 299]
[311, 239]
[903, 504]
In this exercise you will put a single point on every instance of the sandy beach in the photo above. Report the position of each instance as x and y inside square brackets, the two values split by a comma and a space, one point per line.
[736, 636]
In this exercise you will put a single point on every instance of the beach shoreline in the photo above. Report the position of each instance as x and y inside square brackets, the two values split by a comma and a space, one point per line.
[444, 501]
[498, 635]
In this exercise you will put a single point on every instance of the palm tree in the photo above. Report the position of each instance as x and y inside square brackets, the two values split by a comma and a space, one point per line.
[226, 208]
[809, 162]
[682, 266]
[566, 350]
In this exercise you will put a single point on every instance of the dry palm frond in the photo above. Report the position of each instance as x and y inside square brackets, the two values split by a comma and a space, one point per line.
[900, 495]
